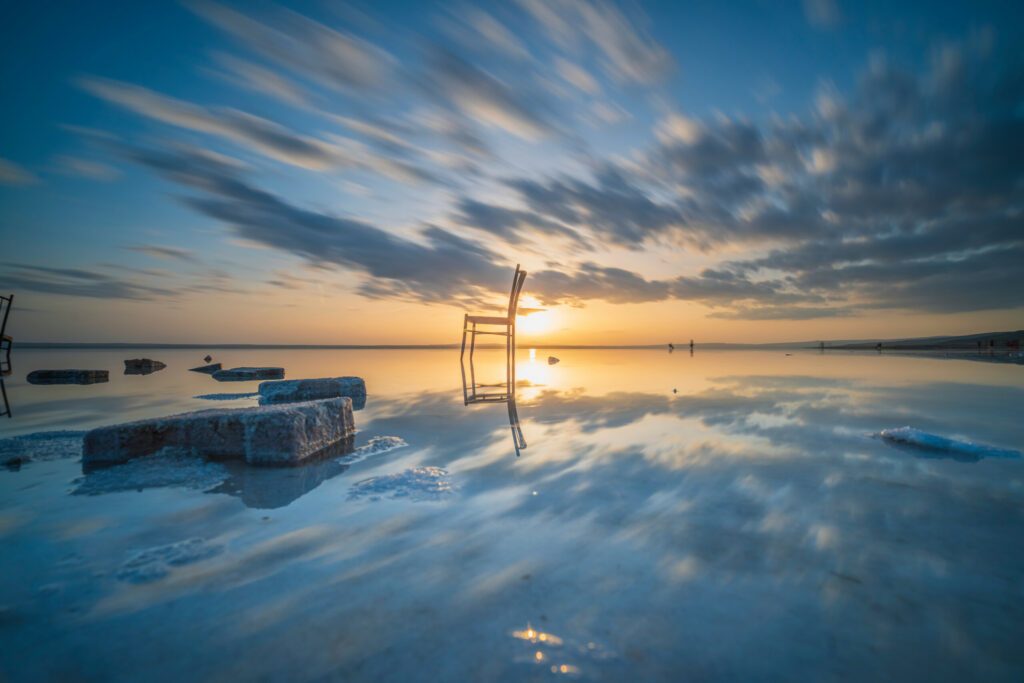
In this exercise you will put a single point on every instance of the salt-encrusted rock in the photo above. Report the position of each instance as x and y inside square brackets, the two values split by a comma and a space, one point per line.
[293, 390]
[244, 374]
[273, 435]
[68, 376]
[552, 360]
[206, 369]
[142, 366]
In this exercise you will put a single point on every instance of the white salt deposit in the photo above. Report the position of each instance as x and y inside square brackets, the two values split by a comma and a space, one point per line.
[418, 484]
[933, 442]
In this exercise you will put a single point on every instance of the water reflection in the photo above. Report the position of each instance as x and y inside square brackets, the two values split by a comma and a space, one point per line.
[751, 516]
[472, 392]
[6, 403]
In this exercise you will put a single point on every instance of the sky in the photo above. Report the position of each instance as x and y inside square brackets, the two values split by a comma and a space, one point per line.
[329, 173]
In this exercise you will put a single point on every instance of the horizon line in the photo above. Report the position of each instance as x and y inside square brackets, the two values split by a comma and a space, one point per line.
[680, 346]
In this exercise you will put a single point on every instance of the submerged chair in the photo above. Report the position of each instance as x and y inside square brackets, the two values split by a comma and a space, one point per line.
[507, 322]
[6, 342]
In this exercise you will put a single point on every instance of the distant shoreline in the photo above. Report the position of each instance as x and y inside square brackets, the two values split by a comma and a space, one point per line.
[1003, 341]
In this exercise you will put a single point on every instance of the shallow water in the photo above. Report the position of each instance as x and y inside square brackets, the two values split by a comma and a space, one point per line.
[728, 515]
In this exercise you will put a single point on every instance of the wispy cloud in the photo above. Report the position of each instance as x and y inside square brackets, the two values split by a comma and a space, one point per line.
[822, 13]
[86, 168]
[13, 174]
[78, 282]
[253, 132]
[165, 252]
[306, 47]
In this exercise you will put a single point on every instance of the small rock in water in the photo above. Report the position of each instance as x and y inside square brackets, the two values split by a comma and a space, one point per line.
[295, 390]
[142, 366]
[248, 374]
[68, 376]
[552, 360]
[208, 358]
[206, 369]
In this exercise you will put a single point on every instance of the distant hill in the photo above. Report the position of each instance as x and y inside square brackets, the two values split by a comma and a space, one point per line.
[987, 340]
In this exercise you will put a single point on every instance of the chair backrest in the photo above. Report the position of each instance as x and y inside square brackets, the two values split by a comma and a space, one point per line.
[5, 310]
[517, 287]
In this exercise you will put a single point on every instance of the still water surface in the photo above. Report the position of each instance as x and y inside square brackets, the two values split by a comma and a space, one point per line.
[723, 516]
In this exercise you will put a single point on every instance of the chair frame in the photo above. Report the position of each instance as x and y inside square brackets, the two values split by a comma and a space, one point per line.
[469, 389]
[6, 342]
[470, 322]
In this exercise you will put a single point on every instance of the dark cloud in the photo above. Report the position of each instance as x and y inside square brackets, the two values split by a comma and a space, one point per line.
[455, 82]
[611, 207]
[440, 266]
[76, 282]
[162, 251]
[592, 281]
[510, 224]
[782, 313]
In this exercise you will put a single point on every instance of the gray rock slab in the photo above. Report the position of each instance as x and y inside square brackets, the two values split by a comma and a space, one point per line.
[278, 435]
[68, 376]
[142, 366]
[206, 369]
[248, 374]
[293, 390]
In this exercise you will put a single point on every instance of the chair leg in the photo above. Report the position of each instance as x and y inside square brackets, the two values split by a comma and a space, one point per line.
[7, 405]
[508, 367]
[513, 357]
[472, 368]
[465, 389]
[462, 353]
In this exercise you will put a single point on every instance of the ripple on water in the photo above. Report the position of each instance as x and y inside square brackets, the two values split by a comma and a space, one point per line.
[418, 484]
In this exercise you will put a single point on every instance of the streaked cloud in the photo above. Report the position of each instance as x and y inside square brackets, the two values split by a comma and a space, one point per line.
[251, 76]
[306, 47]
[822, 13]
[253, 132]
[14, 174]
[77, 282]
[162, 251]
[86, 168]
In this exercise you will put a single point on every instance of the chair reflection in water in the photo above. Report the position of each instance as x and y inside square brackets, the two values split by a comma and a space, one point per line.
[504, 326]
[6, 343]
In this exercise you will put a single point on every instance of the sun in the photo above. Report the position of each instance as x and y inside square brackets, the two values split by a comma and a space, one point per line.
[537, 322]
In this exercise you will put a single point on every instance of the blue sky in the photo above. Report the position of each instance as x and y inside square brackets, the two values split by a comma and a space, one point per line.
[769, 169]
